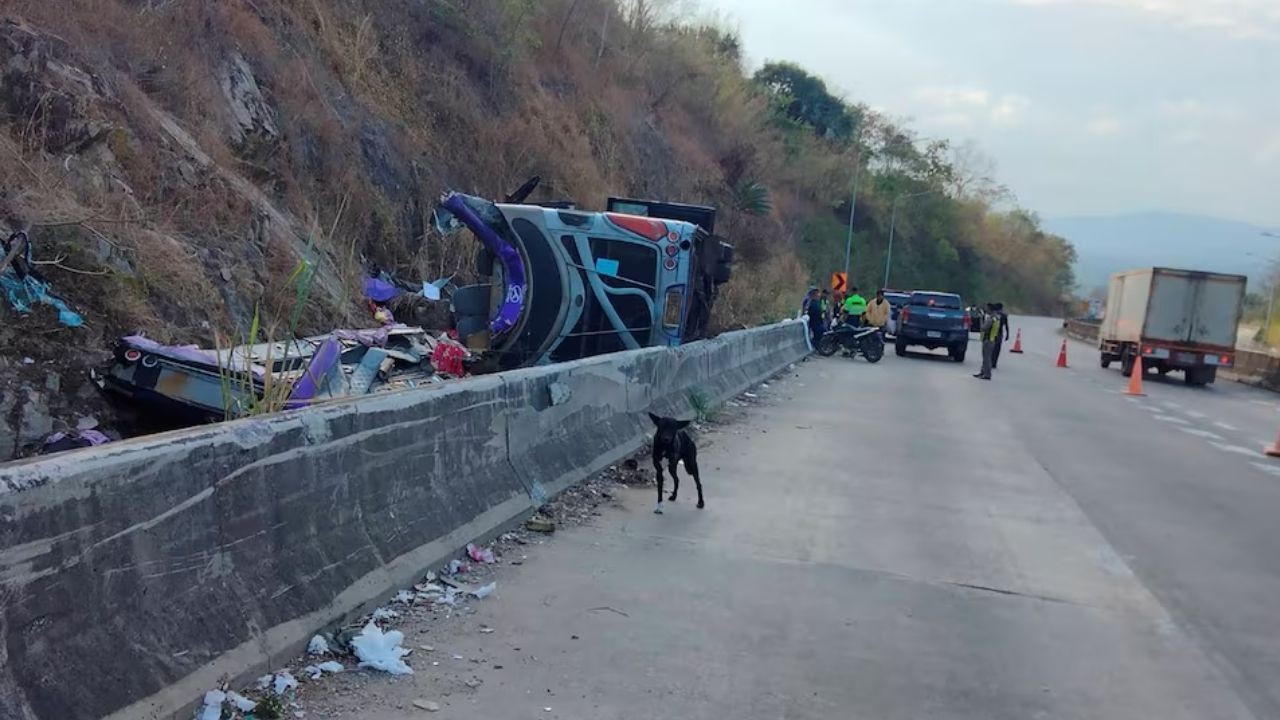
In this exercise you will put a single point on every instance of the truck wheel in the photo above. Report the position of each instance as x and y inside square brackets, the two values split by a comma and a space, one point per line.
[1106, 361]
[1127, 361]
[958, 352]
[899, 348]
[1199, 377]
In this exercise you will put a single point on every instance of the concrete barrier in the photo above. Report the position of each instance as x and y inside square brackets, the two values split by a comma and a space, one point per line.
[1086, 330]
[137, 575]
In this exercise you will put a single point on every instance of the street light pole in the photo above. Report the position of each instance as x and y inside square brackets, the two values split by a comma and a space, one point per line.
[853, 206]
[893, 224]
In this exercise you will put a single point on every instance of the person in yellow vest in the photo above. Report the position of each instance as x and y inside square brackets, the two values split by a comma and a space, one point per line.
[878, 312]
[990, 331]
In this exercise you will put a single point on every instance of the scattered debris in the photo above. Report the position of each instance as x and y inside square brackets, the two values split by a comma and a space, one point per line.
[384, 614]
[212, 708]
[23, 284]
[381, 651]
[62, 441]
[318, 646]
[542, 525]
[193, 385]
[242, 703]
[486, 631]
[481, 554]
[316, 671]
[427, 705]
[279, 683]
[457, 566]
[485, 591]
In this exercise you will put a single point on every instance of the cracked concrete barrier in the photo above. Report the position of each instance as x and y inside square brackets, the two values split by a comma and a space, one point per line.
[135, 576]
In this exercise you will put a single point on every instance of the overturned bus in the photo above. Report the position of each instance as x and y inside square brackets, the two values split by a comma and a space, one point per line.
[561, 284]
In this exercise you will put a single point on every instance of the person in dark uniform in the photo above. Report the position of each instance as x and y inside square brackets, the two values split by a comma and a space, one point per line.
[814, 314]
[1001, 337]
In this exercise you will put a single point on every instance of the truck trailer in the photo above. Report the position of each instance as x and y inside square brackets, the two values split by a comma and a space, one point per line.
[1181, 320]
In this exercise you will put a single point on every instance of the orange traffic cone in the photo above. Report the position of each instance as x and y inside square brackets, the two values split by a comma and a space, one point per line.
[1062, 355]
[1017, 343]
[1135, 379]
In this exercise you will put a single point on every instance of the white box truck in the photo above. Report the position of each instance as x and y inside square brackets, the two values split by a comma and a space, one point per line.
[1175, 319]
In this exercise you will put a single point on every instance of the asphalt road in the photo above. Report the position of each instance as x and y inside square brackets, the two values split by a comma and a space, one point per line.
[902, 541]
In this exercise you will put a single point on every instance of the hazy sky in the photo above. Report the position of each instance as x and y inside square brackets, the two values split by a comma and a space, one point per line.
[1087, 106]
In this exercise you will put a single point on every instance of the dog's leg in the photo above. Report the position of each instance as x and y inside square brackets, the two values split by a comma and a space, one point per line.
[657, 469]
[691, 465]
[675, 479]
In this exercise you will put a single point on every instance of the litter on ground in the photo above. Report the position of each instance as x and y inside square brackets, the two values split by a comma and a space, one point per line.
[318, 646]
[381, 650]
[481, 554]
[212, 708]
[384, 614]
[284, 682]
[316, 671]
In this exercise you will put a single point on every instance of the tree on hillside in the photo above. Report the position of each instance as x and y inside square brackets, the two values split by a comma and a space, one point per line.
[805, 98]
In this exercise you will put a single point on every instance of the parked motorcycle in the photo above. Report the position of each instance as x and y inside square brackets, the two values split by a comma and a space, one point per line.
[865, 341]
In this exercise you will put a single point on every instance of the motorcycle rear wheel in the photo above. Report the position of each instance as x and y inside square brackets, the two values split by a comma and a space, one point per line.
[828, 345]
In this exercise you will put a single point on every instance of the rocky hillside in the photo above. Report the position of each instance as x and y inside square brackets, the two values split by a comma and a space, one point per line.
[177, 162]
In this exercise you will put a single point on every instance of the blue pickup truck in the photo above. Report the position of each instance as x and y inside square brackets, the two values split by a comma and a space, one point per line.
[934, 320]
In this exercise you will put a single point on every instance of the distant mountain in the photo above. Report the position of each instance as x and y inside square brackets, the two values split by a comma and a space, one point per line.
[1106, 245]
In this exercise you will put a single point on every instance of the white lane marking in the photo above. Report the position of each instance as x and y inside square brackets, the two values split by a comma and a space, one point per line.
[1172, 405]
[1225, 426]
[1267, 468]
[1171, 419]
[1237, 449]
[1263, 403]
[1201, 433]
[1195, 414]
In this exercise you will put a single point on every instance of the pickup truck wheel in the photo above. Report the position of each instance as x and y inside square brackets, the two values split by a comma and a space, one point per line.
[957, 352]
[899, 348]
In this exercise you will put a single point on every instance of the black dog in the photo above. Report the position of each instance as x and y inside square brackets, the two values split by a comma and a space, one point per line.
[673, 442]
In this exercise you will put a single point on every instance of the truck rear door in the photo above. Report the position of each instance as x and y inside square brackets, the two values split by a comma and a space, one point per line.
[1216, 311]
[1169, 309]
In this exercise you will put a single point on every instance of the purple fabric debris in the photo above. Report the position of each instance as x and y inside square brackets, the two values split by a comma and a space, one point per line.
[63, 441]
[379, 290]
